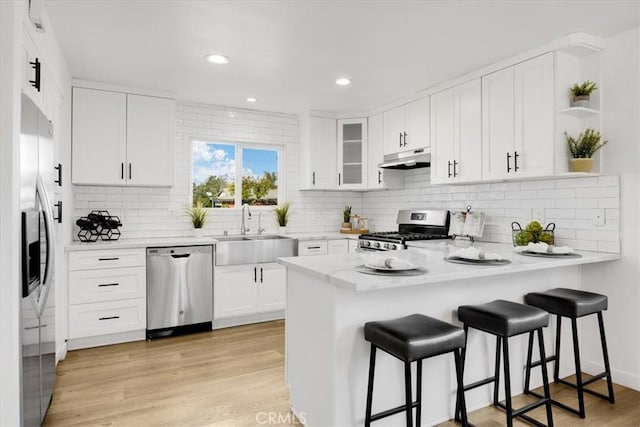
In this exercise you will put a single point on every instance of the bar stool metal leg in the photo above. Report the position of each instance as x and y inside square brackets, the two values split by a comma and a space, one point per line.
[576, 356]
[605, 356]
[556, 365]
[507, 383]
[407, 390]
[496, 385]
[460, 394]
[463, 355]
[545, 378]
[419, 392]
[372, 368]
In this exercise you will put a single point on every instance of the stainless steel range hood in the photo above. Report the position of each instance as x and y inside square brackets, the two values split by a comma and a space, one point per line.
[413, 159]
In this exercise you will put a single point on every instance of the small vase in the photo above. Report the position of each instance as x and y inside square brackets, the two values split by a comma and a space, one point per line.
[283, 229]
[581, 165]
[581, 101]
[346, 226]
[197, 232]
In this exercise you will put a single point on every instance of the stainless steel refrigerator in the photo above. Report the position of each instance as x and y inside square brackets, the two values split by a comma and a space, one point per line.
[37, 181]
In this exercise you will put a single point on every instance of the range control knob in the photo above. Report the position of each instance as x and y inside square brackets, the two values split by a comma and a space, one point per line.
[376, 245]
[394, 247]
[387, 246]
[365, 243]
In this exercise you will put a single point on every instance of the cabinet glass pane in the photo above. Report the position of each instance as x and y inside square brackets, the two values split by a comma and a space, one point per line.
[352, 132]
[352, 174]
[352, 152]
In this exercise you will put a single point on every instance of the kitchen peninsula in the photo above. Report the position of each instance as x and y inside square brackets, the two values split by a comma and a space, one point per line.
[328, 302]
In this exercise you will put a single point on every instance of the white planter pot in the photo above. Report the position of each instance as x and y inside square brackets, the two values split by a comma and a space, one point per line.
[283, 229]
[197, 232]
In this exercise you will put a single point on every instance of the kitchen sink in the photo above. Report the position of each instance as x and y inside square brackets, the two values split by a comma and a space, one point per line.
[234, 250]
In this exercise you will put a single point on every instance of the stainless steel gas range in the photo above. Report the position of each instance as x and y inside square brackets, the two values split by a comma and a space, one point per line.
[419, 224]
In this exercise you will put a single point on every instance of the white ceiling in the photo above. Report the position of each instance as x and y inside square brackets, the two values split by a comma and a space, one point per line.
[288, 54]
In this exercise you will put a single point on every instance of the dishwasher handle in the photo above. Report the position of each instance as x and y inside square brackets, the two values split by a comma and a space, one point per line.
[180, 255]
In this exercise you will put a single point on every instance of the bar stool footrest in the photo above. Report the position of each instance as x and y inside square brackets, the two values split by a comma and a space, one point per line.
[392, 411]
[547, 360]
[479, 383]
[520, 412]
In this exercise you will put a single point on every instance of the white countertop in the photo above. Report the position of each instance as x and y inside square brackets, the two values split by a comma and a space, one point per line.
[339, 269]
[188, 241]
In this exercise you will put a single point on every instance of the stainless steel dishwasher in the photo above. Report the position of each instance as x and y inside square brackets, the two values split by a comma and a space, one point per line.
[179, 290]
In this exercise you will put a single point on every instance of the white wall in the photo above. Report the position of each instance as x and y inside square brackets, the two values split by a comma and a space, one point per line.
[160, 212]
[620, 280]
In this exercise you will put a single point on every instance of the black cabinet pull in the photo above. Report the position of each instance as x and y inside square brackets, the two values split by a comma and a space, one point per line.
[122, 170]
[379, 177]
[109, 318]
[59, 180]
[449, 169]
[129, 170]
[255, 274]
[508, 162]
[109, 259]
[313, 247]
[455, 172]
[405, 140]
[515, 161]
[313, 178]
[261, 275]
[58, 205]
[339, 179]
[36, 81]
[103, 285]
[400, 139]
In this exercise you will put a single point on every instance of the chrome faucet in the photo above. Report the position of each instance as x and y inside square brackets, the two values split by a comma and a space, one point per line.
[260, 229]
[243, 227]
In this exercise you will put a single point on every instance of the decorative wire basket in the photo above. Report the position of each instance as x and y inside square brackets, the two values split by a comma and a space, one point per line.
[516, 229]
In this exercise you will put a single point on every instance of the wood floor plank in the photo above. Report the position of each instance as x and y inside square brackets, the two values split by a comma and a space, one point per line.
[228, 377]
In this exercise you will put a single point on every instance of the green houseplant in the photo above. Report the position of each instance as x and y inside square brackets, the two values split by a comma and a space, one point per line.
[583, 148]
[282, 215]
[198, 215]
[346, 217]
[580, 94]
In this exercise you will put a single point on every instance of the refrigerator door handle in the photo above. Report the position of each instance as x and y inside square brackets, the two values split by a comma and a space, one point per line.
[48, 225]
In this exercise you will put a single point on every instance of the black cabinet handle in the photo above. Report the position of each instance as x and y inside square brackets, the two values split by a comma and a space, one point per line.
[515, 161]
[261, 277]
[455, 172]
[313, 247]
[122, 170]
[313, 178]
[255, 274]
[379, 177]
[129, 170]
[400, 139]
[103, 285]
[508, 162]
[36, 81]
[449, 169]
[59, 217]
[109, 318]
[109, 259]
[59, 180]
[405, 140]
[339, 179]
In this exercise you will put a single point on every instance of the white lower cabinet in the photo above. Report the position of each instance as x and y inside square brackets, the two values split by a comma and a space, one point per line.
[338, 247]
[248, 289]
[312, 247]
[107, 297]
[353, 246]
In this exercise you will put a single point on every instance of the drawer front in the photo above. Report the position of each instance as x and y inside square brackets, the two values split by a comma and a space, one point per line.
[93, 260]
[312, 247]
[338, 247]
[112, 284]
[88, 320]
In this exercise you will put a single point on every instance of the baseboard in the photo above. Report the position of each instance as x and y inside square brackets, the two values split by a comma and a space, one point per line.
[245, 320]
[78, 343]
[623, 378]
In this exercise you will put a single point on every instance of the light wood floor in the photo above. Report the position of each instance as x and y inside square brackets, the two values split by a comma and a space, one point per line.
[226, 377]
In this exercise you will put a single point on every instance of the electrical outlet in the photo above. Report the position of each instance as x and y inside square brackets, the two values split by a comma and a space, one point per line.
[598, 217]
[537, 214]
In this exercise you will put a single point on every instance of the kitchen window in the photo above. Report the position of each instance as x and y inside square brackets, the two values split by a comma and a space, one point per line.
[226, 175]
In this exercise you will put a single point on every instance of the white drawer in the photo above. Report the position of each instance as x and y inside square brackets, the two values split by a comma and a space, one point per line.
[88, 320]
[312, 247]
[106, 285]
[338, 247]
[113, 258]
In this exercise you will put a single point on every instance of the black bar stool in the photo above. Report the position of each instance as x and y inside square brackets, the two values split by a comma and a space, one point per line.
[506, 319]
[413, 338]
[572, 304]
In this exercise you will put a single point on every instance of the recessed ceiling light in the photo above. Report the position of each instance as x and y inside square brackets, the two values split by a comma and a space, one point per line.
[343, 81]
[251, 99]
[216, 58]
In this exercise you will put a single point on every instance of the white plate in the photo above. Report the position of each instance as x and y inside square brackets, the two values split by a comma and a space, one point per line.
[550, 254]
[468, 261]
[385, 268]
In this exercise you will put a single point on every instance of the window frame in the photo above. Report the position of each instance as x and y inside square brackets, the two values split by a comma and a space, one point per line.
[239, 146]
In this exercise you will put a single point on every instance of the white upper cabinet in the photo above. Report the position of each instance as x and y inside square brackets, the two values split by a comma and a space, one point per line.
[99, 144]
[456, 137]
[318, 151]
[150, 140]
[122, 139]
[379, 178]
[407, 127]
[352, 154]
[517, 120]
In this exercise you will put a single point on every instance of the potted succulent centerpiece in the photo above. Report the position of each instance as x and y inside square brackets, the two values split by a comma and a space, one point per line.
[198, 215]
[580, 94]
[346, 218]
[583, 148]
[282, 216]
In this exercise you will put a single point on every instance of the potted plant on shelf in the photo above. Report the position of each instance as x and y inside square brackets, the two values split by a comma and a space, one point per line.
[581, 93]
[583, 148]
[346, 218]
[282, 216]
[198, 216]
